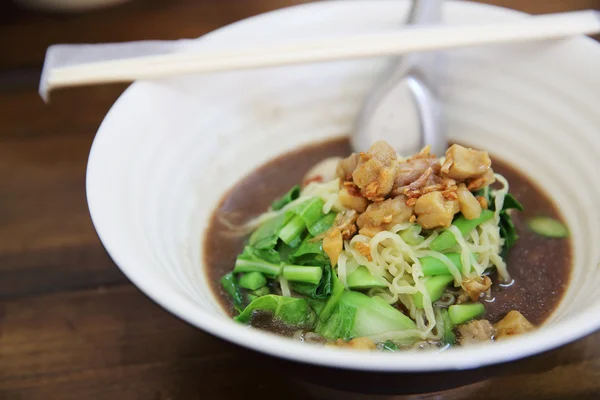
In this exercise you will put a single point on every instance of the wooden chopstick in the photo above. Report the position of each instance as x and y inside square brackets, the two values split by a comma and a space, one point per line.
[406, 40]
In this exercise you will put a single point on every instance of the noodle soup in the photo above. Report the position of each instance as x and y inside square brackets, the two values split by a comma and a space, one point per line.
[375, 251]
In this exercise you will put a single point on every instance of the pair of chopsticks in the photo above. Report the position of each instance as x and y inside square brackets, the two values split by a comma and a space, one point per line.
[406, 40]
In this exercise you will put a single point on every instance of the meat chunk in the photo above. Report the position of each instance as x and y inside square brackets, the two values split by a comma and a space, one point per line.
[476, 331]
[476, 286]
[479, 183]
[361, 343]
[421, 181]
[345, 222]
[469, 206]
[351, 198]
[433, 210]
[410, 171]
[514, 323]
[323, 171]
[384, 215]
[463, 163]
[375, 172]
[346, 167]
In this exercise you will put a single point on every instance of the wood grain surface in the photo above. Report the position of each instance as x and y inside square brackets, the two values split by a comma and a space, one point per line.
[71, 325]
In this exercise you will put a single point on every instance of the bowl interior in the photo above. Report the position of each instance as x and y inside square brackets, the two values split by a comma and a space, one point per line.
[168, 151]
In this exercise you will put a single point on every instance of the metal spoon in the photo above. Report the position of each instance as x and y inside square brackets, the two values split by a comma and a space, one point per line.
[403, 108]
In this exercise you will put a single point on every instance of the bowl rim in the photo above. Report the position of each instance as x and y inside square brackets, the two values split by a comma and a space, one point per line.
[542, 340]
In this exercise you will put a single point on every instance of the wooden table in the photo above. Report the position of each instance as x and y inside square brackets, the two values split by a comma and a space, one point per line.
[71, 325]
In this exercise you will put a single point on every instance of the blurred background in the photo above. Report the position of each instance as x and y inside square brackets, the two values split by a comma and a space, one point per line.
[71, 326]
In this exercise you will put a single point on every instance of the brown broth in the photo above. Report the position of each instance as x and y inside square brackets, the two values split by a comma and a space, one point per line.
[540, 267]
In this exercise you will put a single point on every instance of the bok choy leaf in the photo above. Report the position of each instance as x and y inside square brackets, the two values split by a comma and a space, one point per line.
[507, 227]
[286, 199]
[229, 283]
[289, 310]
[292, 224]
[358, 315]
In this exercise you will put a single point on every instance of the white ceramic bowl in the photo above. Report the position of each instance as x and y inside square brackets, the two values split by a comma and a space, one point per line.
[167, 151]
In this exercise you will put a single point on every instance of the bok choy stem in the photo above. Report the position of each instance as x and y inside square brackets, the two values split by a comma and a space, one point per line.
[270, 270]
[292, 229]
[295, 273]
[446, 239]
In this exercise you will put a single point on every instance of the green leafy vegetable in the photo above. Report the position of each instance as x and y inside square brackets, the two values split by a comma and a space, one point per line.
[285, 252]
[292, 230]
[316, 305]
[507, 228]
[358, 315]
[361, 278]
[263, 291]
[389, 346]
[508, 232]
[320, 291]
[433, 266]
[446, 239]
[307, 267]
[510, 202]
[435, 286]
[267, 235]
[231, 288]
[283, 201]
[289, 310]
[449, 336]
[411, 235]
[305, 215]
[548, 227]
[252, 280]
[290, 225]
[302, 273]
[310, 252]
[337, 290]
[323, 224]
[296, 241]
[339, 324]
[264, 261]
[310, 211]
[461, 313]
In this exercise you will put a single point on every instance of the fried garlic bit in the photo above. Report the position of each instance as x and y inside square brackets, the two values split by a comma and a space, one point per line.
[333, 243]
[364, 249]
[343, 228]
[476, 286]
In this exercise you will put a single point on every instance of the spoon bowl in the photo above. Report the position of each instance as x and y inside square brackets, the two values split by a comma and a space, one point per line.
[403, 108]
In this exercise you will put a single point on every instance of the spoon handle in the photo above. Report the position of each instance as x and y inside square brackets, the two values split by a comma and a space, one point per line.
[406, 40]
